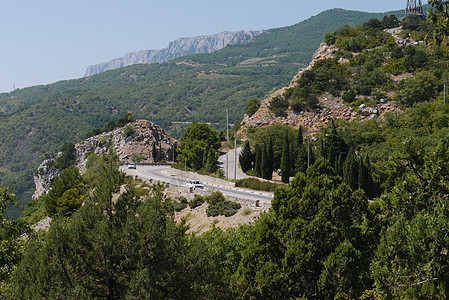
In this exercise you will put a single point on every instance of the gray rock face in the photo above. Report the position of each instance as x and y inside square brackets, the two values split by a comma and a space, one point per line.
[177, 48]
[140, 142]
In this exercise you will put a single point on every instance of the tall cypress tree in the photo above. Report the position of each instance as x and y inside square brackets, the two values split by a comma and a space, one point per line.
[302, 160]
[211, 164]
[285, 160]
[258, 160]
[270, 159]
[299, 142]
[160, 154]
[351, 170]
[246, 158]
[154, 153]
[365, 177]
[264, 162]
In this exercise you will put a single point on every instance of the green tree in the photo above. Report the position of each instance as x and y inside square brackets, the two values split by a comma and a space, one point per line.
[252, 106]
[265, 161]
[365, 179]
[67, 192]
[351, 170]
[11, 245]
[412, 257]
[127, 118]
[258, 160]
[439, 14]
[390, 21]
[128, 130]
[246, 158]
[301, 160]
[154, 152]
[194, 142]
[111, 249]
[311, 244]
[160, 153]
[285, 160]
[211, 165]
[270, 159]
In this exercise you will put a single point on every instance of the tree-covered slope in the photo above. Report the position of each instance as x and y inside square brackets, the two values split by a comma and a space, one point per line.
[40, 119]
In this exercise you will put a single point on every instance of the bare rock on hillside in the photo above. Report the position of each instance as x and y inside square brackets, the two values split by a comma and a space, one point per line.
[330, 107]
[139, 142]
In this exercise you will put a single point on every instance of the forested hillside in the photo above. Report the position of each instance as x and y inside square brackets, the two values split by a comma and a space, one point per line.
[365, 218]
[40, 119]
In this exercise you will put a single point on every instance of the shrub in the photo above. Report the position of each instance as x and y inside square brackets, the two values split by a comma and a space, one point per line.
[246, 211]
[220, 173]
[349, 96]
[128, 131]
[218, 205]
[256, 184]
[178, 206]
[278, 106]
[198, 200]
[395, 66]
[252, 107]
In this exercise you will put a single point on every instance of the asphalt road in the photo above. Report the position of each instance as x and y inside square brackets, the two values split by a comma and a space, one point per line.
[160, 173]
[233, 172]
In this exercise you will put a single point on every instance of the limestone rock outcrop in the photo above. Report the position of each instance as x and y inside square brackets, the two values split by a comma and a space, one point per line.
[331, 107]
[176, 48]
[139, 142]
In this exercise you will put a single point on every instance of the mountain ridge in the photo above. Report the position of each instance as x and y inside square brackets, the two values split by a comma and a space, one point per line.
[196, 86]
[177, 48]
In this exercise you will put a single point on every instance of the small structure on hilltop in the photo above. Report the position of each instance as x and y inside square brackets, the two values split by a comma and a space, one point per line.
[414, 8]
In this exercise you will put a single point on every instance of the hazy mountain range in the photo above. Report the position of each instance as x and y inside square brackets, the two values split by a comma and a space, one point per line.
[179, 47]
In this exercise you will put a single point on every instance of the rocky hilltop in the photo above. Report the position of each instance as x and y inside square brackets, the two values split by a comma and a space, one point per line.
[330, 107]
[177, 48]
[139, 142]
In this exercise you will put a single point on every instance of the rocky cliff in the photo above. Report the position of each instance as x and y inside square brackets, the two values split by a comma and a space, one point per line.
[177, 48]
[139, 142]
[330, 107]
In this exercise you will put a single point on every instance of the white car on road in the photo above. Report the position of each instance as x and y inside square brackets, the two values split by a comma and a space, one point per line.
[194, 184]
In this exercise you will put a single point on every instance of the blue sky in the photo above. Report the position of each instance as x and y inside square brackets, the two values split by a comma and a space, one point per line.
[44, 41]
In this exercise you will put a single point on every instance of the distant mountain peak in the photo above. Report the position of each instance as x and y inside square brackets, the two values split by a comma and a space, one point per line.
[179, 47]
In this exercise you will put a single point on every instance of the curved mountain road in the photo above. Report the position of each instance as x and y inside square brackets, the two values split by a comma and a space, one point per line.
[179, 179]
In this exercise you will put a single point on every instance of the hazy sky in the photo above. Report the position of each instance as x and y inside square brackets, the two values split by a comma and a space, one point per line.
[44, 41]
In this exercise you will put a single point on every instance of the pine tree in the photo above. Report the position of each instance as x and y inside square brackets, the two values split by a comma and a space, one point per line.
[246, 158]
[285, 160]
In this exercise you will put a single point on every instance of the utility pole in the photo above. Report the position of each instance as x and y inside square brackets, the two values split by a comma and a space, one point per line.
[227, 143]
